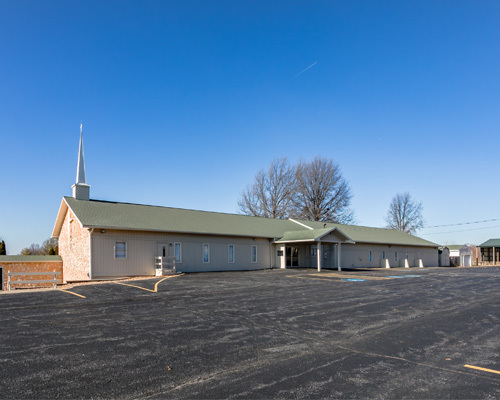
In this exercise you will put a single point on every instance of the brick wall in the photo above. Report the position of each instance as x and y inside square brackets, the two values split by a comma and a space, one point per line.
[31, 264]
[74, 249]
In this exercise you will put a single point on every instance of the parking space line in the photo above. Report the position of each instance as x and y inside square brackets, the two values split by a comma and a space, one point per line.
[138, 287]
[306, 277]
[156, 284]
[73, 293]
[346, 276]
[482, 369]
[155, 290]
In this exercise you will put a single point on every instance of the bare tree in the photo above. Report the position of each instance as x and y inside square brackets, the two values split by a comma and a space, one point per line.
[322, 194]
[49, 247]
[405, 214]
[33, 250]
[272, 191]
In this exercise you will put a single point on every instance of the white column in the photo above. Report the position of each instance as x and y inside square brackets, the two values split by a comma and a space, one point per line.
[318, 256]
[339, 258]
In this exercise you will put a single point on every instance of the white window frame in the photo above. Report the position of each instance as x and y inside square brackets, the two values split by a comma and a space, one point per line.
[229, 246]
[207, 246]
[126, 250]
[178, 261]
[256, 254]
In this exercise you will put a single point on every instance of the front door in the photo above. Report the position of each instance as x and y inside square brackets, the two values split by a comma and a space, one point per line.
[163, 251]
[313, 257]
[291, 257]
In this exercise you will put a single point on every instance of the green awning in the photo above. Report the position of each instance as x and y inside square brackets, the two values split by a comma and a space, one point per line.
[315, 235]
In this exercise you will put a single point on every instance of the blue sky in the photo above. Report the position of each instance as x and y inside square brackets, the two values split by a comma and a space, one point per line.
[182, 102]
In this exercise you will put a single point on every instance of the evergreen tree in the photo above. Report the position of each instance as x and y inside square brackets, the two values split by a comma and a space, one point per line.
[50, 247]
[3, 250]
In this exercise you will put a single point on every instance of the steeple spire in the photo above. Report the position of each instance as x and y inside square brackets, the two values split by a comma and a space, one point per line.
[80, 171]
[81, 191]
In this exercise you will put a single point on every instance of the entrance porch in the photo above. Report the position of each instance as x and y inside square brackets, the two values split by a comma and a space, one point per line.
[313, 248]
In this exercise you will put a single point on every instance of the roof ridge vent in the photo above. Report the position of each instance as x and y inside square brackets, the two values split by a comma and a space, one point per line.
[301, 224]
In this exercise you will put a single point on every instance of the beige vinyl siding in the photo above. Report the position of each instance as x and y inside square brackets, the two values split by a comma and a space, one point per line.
[358, 255]
[142, 248]
[136, 263]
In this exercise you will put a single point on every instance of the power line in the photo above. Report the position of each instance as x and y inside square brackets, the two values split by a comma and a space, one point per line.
[463, 230]
[462, 223]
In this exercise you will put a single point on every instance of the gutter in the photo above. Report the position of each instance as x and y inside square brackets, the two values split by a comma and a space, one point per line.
[90, 252]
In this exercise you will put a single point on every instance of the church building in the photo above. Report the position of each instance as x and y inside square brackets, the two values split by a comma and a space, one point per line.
[99, 239]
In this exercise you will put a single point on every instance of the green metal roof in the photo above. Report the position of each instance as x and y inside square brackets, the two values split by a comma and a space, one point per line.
[366, 234]
[455, 246]
[309, 235]
[491, 243]
[111, 215]
[304, 234]
[114, 215]
[29, 258]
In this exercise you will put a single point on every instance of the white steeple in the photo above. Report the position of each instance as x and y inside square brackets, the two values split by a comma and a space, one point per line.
[80, 171]
[81, 191]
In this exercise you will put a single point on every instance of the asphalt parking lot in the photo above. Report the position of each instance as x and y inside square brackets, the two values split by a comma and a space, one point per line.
[263, 334]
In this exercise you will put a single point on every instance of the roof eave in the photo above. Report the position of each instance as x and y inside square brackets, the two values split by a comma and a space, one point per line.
[173, 231]
[295, 241]
[347, 239]
[400, 244]
[60, 218]
[63, 208]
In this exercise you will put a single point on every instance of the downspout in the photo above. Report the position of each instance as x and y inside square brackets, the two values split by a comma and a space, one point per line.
[339, 258]
[90, 252]
[319, 250]
[270, 254]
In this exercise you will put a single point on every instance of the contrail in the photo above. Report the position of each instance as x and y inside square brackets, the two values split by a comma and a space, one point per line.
[301, 72]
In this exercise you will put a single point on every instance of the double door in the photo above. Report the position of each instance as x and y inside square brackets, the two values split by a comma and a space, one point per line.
[291, 256]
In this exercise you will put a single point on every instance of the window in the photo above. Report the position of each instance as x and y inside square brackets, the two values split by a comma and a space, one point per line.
[230, 253]
[370, 257]
[254, 254]
[206, 253]
[407, 255]
[120, 249]
[383, 254]
[178, 252]
[396, 256]
[314, 251]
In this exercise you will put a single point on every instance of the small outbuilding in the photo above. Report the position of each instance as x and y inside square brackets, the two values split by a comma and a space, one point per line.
[490, 251]
[460, 255]
[444, 257]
